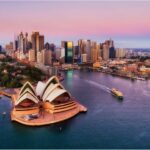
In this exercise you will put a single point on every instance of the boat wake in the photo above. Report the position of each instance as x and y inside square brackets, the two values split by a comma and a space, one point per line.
[101, 86]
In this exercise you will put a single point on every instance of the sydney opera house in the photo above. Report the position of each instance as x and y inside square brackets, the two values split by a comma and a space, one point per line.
[44, 104]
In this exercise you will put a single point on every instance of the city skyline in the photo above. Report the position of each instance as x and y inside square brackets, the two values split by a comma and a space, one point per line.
[124, 22]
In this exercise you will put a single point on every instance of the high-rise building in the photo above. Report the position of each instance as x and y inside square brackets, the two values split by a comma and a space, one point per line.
[47, 46]
[46, 57]
[120, 53]
[95, 52]
[105, 51]
[84, 58]
[85, 48]
[41, 42]
[112, 52]
[39, 58]
[68, 46]
[21, 42]
[32, 55]
[52, 47]
[58, 53]
[37, 42]
[0, 48]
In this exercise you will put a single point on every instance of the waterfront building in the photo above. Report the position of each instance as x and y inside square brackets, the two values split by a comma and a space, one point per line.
[27, 99]
[105, 51]
[120, 53]
[68, 46]
[44, 104]
[95, 52]
[84, 58]
[85, 48]
[46, 57]
[37, 42]
[58, 53]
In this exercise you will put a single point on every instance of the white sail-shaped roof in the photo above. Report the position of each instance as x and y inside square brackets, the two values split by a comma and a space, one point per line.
[27, 85]
[51, 88]
[26, 92]
[40, 88]
[53, 80]
[57, 92]
[26, 96]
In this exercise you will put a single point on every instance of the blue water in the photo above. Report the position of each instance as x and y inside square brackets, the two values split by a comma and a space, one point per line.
[109, 122]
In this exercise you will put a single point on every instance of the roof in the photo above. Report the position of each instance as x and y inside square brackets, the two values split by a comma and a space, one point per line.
[53, 80]
[39, 88]
[48, 91]
[56, 93]
[25, 86]
[52, 89]
[27, 92]
[26, 96]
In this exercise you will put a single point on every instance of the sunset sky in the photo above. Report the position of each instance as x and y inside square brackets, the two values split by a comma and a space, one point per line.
[127, 23]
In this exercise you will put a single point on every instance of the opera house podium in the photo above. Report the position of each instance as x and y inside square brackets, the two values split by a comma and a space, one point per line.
[44, 104]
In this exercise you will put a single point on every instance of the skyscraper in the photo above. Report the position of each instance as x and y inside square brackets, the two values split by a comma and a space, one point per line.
[0, 48]
[112, 52]
[37, 42]
[21, 42]
[105, 51]
[85, 48]
[68, 46]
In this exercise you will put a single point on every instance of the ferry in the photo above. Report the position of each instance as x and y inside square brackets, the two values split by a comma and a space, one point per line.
[117, 93]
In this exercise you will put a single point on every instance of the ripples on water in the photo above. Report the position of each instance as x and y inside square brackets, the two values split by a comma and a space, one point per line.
[108, 123]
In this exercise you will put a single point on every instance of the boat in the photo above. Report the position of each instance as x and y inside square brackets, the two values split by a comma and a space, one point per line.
[117, 93]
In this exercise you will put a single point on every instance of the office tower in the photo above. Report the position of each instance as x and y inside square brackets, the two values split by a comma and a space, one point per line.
[120, 53]
[52, 47]
[85, 48]
[62, 55]
[39, 58]
[47, 46]
[37, 42]
[41, 42]
[29, 45]
[25, 42]
[21, 42]
[84, 58]
[105, 51]
[95, 52]
[32, 55]
[15, 44]
[68, 46]
[112, 52]
[0, 48]
[9, 46]
[58, 53]
[81, 44]
[76, 53]
[46, 57]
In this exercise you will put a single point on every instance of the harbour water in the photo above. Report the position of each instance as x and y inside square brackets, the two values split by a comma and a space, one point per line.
[109, 122]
